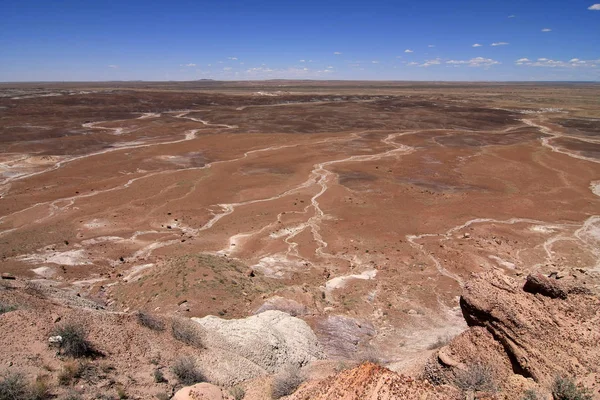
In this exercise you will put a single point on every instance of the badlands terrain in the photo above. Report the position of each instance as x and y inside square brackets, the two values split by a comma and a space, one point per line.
[312, 224]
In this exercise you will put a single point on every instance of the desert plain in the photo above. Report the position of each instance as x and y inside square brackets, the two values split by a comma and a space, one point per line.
[361, 208]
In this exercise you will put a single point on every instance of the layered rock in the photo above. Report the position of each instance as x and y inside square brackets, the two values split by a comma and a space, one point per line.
[373, 382]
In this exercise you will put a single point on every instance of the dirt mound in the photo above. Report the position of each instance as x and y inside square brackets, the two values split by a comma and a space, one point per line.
[370, 382]
[262, 344]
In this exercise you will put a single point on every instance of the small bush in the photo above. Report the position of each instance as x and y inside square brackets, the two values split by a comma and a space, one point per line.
[72, 396]
[188, 332]
[150, 321]
[74, 340]
[13, 386]
[72, 371]
[477, 377]
[186, 371]
[162, 396]
[40, 389]
[564, 388]
[159, 377]
[531, 395]
[4, 308]
[237, 392]
[286, 382]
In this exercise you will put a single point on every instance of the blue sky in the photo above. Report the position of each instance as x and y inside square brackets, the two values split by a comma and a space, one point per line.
[326, 39]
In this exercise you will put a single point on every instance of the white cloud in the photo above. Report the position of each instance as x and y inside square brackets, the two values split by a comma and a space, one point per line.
[431, 45]
[375, 62]
[330, 67]
[188, 65]
[408, 51]
[546, 30]
[302, 60]
[227, 69]
[499, 44]
[594, 7]
[429, 63]
[113, 66]
[475, 62]
[337, 53]
[512, 16]
[477, 45]
[549, 63]
[412, 63]
[232, 58]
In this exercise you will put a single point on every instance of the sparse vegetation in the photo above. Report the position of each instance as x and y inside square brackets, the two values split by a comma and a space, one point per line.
[121, 393]
[188, 332]
[72, 396]
[477, 377]
[72, 371]
[40, 389]
[286, 382]
[74, 340]
[13, 386]
[4, 308]
[237, 392]
[150, 321]
[186, 371]
[564, 388]
[531, 395]
[159, 377]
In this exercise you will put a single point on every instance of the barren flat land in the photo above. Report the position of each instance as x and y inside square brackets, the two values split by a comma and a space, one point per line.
[360, 207]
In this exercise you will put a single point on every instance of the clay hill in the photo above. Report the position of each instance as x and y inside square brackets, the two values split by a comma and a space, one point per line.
[526, 338]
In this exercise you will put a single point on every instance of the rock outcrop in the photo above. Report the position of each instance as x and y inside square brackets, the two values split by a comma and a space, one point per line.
[538, 329]
[373, 382]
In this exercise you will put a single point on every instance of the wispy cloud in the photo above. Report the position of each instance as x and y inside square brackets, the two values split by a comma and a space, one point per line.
[227, 69]
[188, 65]
[302, 60]
[474, 62]
[546, 30]
[232, 58]
[546, 62]
[499, 44]
[431, 45]
[412, 63]
[477, 45]
[375, 62]
[113, 66]
[594, 7]
[408, 51]
[512, 16]
[337, 53]
[521, 61]
[429, 63]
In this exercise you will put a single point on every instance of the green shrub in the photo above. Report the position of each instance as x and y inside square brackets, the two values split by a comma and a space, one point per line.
[159, 377]
[74, 340]
[564, 388]
[4, 308]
